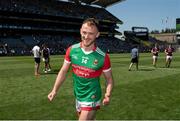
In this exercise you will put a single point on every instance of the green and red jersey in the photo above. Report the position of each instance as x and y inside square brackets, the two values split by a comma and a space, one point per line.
[87, 68]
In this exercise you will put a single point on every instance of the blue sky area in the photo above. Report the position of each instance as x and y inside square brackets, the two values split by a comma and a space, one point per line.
[154, 14]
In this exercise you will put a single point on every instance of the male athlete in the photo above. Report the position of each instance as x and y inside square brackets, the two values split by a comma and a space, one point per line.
[88, 62]
[134, 57]
[37, 58]
[155, 51]
[169, 53]
[46, 58]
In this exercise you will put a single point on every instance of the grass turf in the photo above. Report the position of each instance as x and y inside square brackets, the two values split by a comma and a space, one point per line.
[149, 93]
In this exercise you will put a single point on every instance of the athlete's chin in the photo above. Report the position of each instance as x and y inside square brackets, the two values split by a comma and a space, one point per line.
[88, 44]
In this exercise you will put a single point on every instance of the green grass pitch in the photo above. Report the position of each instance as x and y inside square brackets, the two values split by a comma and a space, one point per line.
[149, 93]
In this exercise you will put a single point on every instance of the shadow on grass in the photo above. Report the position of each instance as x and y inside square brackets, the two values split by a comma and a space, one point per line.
[143, 69]
[171, 67]
[51, 72]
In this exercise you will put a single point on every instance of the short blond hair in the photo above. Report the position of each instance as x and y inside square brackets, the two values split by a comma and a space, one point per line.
[92, 22]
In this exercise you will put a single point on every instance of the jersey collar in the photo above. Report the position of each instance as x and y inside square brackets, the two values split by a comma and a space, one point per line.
[88, 52]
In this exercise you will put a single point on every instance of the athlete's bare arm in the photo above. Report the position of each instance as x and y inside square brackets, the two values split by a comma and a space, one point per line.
[109, 78]
[59, 80]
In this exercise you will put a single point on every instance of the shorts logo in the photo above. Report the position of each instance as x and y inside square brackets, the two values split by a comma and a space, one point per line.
[93, 96]
[95, 62]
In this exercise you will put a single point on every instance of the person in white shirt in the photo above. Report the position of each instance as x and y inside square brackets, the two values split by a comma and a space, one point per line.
[37, 58]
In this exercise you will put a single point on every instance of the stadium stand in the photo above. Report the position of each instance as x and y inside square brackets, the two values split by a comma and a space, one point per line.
[178, 30]
[24, 23]
[140, 36]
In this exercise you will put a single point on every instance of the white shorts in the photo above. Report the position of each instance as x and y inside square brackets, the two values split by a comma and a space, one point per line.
[154, 57]
[169, 57]
[88, 106]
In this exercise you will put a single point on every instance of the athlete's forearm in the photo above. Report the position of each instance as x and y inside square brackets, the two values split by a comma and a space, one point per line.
[59, 80]
[109, 83]
[109, 88]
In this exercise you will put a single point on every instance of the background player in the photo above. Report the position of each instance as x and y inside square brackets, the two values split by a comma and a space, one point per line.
[134, 57]
[46, 58]
[37, 58]
[155, 52]
[169, 53]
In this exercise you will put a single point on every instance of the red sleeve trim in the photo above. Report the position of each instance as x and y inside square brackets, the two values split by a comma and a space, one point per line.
[107, 63]
[67, 56]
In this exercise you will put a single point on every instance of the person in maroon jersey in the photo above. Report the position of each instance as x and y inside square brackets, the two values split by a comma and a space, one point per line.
[155, 51]
[88, 62]
[46, 58]
[169, 53]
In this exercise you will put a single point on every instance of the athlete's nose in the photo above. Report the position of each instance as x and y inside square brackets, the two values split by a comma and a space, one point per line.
[86, 36]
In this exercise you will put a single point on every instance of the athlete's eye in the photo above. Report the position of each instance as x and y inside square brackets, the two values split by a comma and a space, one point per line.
[84, 33]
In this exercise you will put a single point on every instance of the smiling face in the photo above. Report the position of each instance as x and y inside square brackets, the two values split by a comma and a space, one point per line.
[89, 32]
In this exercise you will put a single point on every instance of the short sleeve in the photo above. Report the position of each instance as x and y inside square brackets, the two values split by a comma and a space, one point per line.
[67, 56]
[107, 64]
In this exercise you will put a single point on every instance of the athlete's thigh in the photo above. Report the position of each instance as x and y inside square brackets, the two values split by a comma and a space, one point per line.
[155, 57]
[87, 115]
[168, 58]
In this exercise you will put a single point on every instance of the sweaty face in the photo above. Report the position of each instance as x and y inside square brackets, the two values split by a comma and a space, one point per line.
[89, 33]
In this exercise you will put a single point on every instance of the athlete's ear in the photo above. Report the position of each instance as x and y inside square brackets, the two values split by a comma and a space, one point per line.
[97, 35]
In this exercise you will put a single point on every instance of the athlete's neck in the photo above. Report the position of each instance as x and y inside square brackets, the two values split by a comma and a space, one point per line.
[88, 48]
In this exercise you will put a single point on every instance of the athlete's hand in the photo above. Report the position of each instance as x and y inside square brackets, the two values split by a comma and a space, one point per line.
[51, 95]
[106, 100]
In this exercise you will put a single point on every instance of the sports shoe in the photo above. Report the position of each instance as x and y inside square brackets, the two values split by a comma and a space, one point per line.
[49, 69]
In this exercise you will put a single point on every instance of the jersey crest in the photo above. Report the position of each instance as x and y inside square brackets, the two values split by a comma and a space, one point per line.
[87, 68]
